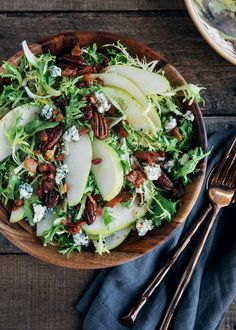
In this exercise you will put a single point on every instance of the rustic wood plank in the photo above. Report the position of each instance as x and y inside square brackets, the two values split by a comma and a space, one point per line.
[213, 124]
[37, 296]
[89, 5]
[171, 33]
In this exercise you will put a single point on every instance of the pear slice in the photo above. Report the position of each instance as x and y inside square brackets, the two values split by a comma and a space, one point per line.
[27, 112]
[133, 110]
[115, 239]
[17, 215]
[123, 83]
[45, 224]
[122, 217]
[109, 173]
[78, 160]
[147, 81]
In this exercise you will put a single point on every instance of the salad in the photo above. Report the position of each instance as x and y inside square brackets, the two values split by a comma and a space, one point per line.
[95, 144]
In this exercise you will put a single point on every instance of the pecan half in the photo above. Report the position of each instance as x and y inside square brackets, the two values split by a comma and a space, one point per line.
[99, 125]
[135, 177]
[120, 130]
[54, 135]
[90, 211]
[52, 199]
[165, 182]
[87, 112]
[147, 156]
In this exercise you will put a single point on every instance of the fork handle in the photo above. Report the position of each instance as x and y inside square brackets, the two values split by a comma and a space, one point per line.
[187, 275]
[129, 319]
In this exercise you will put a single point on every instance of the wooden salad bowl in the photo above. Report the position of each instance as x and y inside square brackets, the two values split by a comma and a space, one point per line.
[23, 236]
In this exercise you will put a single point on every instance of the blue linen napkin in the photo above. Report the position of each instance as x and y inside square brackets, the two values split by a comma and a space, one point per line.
[212, 288]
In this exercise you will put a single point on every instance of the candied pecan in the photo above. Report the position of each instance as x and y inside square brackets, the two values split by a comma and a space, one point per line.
[68, 72]
[54, 135]
[84, 71]
[175, 132]
[72, 61]
[43, 168]
[97, 197]
[17, 204]
[120, 130]
[84, 131]
[76, 51]
[112, 110]
[48, 184]
[59, 117]
[147, 156]
[177, 192]
[96, 161]
[90, 211]
[99, 125]
[165, 182]
[87, 112]
[52, 199]
[74, 227]
[97, 67]
[99, 210]
[88, 79]
[40, 192]
[135, 177]
[123, 196]
[31, 164]
[60, 158]
[49, 154]
[43, 136]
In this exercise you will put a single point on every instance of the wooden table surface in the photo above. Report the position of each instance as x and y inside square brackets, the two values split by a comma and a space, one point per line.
[35, 295]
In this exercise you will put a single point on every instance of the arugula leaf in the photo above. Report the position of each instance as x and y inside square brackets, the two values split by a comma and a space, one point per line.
[163, 209]
[107, 217]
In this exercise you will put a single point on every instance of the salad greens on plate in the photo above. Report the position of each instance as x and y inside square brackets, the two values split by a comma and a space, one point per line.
[95, 144]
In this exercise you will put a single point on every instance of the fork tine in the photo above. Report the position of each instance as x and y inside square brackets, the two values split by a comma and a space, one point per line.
[230, 162]
[231, 174]
[222, 164]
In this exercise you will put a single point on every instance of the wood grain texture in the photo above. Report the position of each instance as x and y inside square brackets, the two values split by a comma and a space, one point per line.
[89, 5]
[194, 59]
[36, 296]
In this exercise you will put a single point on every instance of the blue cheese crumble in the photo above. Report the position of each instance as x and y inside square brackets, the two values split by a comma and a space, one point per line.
[26, 190]
[189, 115]
[169, 165]
[101, 102]
[72, 134]
[55, 71]
[80, 239]
[39, 212]
[152, 172]
[143, 226]
[170, 124]
[46, 112]
[61, 173]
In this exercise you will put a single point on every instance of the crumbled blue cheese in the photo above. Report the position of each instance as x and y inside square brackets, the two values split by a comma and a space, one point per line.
[101, 102]
[169, 165]
[26, 190]
[170, 124]
[189, 115]
[61, 173]
[152, 172]
[39, 212]
[55, 71]
[143, 226]
[80, 239]
[72, 134]
[184, 159]
[46, 112]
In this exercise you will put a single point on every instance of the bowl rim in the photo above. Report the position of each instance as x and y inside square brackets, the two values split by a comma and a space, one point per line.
[205, 34]
[23, 238]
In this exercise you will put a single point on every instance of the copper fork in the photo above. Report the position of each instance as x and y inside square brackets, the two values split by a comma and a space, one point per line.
[221, 190]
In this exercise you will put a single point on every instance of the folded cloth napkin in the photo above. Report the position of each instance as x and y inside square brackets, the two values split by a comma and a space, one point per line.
[208, 295]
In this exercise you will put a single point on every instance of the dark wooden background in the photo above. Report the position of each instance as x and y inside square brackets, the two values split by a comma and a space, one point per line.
[37, 296]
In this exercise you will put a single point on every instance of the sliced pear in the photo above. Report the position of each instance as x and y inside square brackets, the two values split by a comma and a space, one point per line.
[17, 215]
[109, 173]
[122, 217]
[118, 81]
[133, 110]
[28, 112]
[45, 224]
[78, 160]
[147, 81]
[115, 239]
